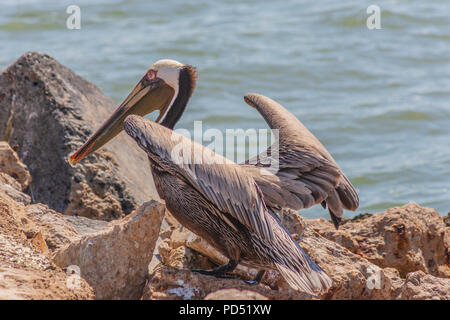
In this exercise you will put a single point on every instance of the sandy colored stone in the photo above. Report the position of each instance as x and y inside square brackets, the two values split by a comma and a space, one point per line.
[12, 166]
[39, 243]
[353, 276]
[180, 248]
[174, 284]
[6, 179]
[114, 261]
[55, 111]
[18, 284]
[235, 294]
[85, 225]
[407, 238]
[14, 193]
[421, 286]
[55, 229]
[25, 269]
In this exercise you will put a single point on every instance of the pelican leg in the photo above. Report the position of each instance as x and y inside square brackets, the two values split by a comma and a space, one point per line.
[257, 278]
[220, 271]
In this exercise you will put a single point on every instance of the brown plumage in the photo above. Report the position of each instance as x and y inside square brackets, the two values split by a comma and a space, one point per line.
[217, 200]
[232, 206]
[307, 173]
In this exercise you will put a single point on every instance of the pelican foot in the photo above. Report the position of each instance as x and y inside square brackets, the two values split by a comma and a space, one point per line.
[220, 271]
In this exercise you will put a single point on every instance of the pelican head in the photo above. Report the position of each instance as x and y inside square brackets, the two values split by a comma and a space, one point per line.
[166, 86]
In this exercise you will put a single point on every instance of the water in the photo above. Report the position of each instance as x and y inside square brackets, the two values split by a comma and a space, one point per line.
[377, 99]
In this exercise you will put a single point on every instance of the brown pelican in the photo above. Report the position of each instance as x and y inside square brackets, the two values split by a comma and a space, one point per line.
[219, 201]
[307, 173]
[224, 204]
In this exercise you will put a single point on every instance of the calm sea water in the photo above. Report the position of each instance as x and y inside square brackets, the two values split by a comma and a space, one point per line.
[377, 99]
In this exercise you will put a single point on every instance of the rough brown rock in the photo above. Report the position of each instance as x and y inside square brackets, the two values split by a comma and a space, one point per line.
[55, 229]
[25, 269]
[169, 283]
[55, 111]
[19, 284]
[12, 166]
[6, 179]
[407, 238]
[28, 221]
[15, 194]
[114, 261]
[353, 276]
[421, 286]
[14, 175]
[85, 225]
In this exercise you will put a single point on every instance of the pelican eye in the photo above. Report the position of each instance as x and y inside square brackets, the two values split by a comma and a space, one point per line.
[151, 75]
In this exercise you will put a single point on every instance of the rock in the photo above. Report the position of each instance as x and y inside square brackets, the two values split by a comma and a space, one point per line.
[55, 229]
[358, 217]
[180, 248]
[294, 222]
[85, 225]
[407, 238]
[25, 269]
[54, 112]
[353, 276]
[18, 284]
[35, 219]
[174, 284]
[14, 175]
[6, 179]
[447, 220]
[39, 243]
[421, 286]
[114, 261]
[12, 166]
[14, 193]
[447, 246]
[234, 294]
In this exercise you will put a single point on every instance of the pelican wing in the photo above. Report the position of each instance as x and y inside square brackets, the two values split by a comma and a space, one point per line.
[224, 183]
[307, 174]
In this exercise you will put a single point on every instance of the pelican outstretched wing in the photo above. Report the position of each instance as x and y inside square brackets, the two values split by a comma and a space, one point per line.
[307, 173]
[224, 183]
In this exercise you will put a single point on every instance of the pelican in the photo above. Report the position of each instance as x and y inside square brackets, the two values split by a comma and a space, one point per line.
[232, 206]
[218, 200]
[307, 173]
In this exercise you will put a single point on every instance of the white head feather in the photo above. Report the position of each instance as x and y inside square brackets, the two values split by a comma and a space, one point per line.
[169, 71]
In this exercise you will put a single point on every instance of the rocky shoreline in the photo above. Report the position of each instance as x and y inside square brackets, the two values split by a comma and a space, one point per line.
[88, 233]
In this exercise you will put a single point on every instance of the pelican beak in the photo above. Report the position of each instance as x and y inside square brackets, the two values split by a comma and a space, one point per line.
[145, 98]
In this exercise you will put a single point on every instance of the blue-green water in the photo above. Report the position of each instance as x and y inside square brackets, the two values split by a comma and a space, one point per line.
[377, 99]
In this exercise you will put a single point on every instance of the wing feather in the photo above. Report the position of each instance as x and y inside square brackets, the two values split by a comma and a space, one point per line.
[307, 173]
[221, 181]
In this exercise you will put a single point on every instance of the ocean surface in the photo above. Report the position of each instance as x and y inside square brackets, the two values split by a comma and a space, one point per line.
[379, 100]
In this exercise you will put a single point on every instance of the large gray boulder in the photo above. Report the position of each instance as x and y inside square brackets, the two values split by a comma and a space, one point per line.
[53, 112]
